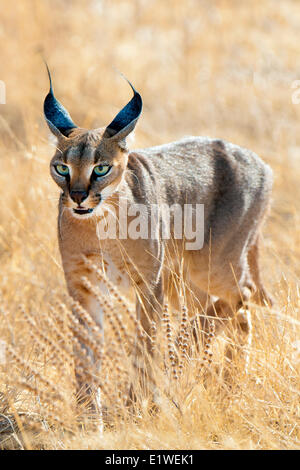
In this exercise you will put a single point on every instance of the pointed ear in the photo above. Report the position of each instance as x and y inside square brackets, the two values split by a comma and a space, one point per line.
[125, 121]
[57, 117]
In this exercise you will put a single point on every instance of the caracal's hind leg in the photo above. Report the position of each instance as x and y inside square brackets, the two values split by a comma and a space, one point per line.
[237, 325]
[232, 314]
[231, 282]
[238, 341]
[260, 296]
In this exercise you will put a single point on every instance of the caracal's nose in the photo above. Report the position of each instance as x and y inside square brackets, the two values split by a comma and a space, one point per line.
[78, 196]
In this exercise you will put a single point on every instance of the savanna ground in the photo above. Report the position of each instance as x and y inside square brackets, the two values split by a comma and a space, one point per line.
[219, 68]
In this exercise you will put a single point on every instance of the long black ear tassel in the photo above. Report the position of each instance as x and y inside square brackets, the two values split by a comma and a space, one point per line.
[50, 79]
[54, 111]
[128, 115]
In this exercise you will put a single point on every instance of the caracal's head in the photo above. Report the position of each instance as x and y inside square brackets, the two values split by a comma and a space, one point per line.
[88, 165]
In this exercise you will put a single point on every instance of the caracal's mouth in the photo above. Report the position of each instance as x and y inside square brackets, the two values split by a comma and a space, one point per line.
[82, 211]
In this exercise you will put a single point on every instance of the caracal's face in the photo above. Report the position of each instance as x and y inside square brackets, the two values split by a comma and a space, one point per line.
[89, 166]
[88, 169]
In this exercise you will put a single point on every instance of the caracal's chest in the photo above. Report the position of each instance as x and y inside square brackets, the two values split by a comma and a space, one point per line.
[109, 255]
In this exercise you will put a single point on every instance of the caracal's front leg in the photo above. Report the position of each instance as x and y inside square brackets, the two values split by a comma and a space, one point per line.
[149, 306]
[76, 269]
[148, 284]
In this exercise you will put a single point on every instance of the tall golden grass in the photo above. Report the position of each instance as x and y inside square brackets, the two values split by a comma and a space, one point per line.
[221, 68]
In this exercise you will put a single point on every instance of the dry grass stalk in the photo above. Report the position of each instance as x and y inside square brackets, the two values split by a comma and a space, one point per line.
[207, 353]
[183, 339]
[153, 335]
[173, 359]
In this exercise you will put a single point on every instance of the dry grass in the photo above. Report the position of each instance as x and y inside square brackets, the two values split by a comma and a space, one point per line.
[221, 68]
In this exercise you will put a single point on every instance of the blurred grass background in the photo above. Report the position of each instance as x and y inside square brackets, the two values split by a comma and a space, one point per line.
[221, 68]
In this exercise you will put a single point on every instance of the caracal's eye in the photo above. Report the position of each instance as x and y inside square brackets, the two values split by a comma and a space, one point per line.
[101, 170]
[62, 170]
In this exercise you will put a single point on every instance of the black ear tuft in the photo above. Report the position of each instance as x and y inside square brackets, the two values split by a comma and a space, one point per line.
[125, 121]
[56, 115]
